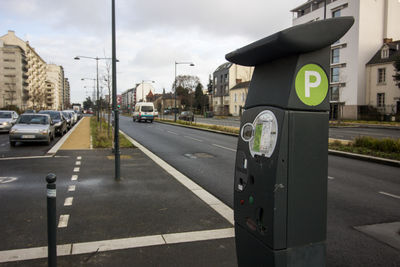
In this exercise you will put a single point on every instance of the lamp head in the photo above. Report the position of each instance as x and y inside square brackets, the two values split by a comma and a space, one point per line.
[77, 58]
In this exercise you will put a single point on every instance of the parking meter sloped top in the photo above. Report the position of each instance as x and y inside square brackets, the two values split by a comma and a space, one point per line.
[278, 57]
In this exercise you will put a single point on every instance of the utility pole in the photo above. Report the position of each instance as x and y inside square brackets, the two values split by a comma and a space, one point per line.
[114, 93]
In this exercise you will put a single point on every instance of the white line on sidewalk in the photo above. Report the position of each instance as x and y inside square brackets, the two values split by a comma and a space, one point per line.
[68, 201]
[76, 169]
[63, 222]
[224, 210]
[227, 148]
[116, 244]
[78, 163]
[388, 194]
[193, 138]
[71, 188]
[74, 177]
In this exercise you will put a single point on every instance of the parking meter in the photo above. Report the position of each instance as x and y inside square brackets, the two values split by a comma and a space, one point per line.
[280, 186]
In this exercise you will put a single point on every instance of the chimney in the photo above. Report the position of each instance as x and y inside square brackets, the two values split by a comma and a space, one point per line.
[11, 32]
[387, 40]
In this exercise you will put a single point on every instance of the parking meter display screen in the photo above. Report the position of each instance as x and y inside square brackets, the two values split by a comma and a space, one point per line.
[265, 134]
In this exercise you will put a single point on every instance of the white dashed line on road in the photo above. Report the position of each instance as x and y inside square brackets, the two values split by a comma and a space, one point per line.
[63, 222]
[172, 132]
[76, 169]
[331, 178]
[71, 188]
[78, 163]
[78, 157]
[74, 177]
[68, 201]
[193, 138]
[227, 148]
[388, 194]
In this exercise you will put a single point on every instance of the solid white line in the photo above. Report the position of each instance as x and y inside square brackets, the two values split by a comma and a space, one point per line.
[74, 177]
[331, 178]
[71, 188]
[227, 148]
[68, 201]
[63, 222]
[60, 142]
[116, 244]
[224, 210]
[78, 157]
[193, 138]
[30, 157]
[172, 132]
[388, 194]
[76, 169]
[78, 163]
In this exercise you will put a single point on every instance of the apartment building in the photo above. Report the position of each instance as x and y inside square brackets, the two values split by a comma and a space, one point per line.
[67, 94]
[237, 95]
[29, 81]
[383, 95]
[375, 20]
[54, 87]
[225, 77]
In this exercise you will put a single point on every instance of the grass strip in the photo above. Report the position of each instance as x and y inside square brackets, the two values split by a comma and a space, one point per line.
[101, 138]
[226, 129]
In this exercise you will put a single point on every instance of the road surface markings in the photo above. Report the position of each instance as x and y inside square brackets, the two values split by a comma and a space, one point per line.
[29, 157]
[224, 210]
[71, 188]
[193, 138]
[331, 178]
[78, 163]
[78, 157]
[63, 222]
[74, 177]
[116, 244]
[76, 169]
[91, 142]
[388, 194]
[68, 201]
[227, 148]
[172, 132]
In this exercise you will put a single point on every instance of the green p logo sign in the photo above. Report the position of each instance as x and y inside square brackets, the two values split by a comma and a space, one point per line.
[311, 84]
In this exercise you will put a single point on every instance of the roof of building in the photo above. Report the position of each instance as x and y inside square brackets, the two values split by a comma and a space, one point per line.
[241, 85]
[394, 52]
[226, 65]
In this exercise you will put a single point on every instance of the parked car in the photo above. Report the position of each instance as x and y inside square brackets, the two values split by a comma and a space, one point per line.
[32, 128]
[144, 111]
[7, 119]
[167, 111]
[186, 116]
[60, 123]
[74, 115]
[68, 116]
[29, 111]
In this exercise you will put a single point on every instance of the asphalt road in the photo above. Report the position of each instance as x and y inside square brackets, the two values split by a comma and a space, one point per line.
[345, 133]
[360, 193]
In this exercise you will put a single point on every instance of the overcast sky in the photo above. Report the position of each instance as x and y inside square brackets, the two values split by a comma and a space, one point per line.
[151, 35]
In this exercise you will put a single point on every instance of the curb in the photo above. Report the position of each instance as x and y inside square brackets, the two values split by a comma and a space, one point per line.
[389, 162]
[371, 126]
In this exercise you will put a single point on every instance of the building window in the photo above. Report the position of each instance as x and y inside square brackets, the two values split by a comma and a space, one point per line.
[9, 60]
[9, 76]
[8, 52]
[9, 68]
[381, 75]
[380, 101]
[335, 55]
[235, 98]
[336, 13]
[335, 75]
[215, 80]
[226, 78]
[334, 93]
[385, 52]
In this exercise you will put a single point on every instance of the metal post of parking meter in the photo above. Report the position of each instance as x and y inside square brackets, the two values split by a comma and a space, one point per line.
[51, 220]
[281, 169]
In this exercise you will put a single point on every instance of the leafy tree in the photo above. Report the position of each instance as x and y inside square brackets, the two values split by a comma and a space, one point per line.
[88, 103]
[198, 97]
[396, 65]
[183, 95]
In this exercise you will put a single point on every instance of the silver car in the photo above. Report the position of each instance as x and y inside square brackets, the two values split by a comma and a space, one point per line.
[7, 119]
[32, 128]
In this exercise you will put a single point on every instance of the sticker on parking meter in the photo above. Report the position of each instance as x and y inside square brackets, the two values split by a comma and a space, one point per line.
[265, 134]
[311, 84]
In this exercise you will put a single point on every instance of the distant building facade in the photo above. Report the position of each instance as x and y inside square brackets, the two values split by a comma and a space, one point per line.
[238, 95]
[374, 21]
[55, 87]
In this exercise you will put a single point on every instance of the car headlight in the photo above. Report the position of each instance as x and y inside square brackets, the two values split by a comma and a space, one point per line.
[6, 123]
[44, 132]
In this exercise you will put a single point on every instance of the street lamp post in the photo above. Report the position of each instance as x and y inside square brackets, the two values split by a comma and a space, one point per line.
[97, 77]
[177, 63]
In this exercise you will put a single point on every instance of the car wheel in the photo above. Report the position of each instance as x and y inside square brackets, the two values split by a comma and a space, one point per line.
[12, 143]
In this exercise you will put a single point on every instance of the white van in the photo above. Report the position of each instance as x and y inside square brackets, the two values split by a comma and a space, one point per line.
[144, 111]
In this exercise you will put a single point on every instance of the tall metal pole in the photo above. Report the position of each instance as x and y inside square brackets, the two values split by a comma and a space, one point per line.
[114, 90]
[175, 92]
[97, 87]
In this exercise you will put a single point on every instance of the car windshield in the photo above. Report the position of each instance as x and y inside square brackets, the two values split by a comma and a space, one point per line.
[54, 115]
[67, 114]
[33, 119]
[5, 115]
[147, 108]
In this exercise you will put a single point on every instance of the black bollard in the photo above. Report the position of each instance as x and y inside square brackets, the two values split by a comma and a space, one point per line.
[51, 220]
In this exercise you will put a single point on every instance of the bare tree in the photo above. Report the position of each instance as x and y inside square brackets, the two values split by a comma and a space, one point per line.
[107, 81]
